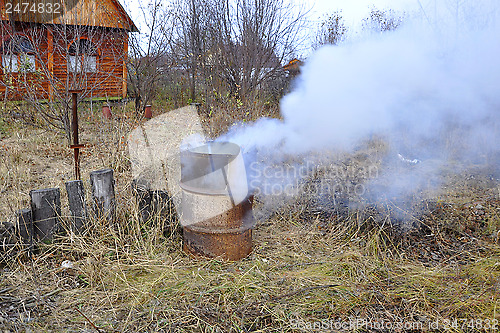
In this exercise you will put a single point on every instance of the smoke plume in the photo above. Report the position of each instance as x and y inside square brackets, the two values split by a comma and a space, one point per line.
[429, 90]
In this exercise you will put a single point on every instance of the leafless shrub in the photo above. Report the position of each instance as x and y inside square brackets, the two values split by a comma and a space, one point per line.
[332, 30]
[381, 20]
[148, 61]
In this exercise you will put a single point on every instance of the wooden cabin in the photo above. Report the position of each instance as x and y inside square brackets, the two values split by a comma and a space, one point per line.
[50, 47]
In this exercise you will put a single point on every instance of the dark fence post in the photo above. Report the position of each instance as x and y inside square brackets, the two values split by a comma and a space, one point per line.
[77, 206]
[46, 212]
[103, 193]
[25, 228]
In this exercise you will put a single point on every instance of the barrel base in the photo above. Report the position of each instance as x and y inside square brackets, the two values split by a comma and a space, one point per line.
[228, 246]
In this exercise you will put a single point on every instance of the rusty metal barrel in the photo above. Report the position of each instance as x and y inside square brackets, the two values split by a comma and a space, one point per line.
[216, 209]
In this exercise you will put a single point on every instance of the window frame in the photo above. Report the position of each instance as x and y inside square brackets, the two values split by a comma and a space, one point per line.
[78, 63]
[22, 58]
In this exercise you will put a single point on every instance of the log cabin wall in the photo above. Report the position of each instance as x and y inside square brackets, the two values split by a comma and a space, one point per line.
[18, 84]
[111, 57]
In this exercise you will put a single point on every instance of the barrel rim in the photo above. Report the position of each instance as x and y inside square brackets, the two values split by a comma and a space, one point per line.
[236, 152]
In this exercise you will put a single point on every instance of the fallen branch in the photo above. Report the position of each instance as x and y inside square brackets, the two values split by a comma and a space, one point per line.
[90, 321]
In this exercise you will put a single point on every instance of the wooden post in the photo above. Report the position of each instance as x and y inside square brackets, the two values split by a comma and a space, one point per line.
[77, 206]
[24, 227]
[156, 208]
[103, 193]
[46, 212]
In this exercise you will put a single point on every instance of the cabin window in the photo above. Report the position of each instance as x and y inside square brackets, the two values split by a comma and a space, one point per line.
[82, 57]
[18, 55]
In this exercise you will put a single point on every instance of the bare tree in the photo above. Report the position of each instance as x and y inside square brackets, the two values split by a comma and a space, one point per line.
[190, 43]
[251, 40]
[232, 46]
[148, 59]
[332, 30]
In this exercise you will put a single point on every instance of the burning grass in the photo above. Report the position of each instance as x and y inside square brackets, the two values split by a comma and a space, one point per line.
[311, 267]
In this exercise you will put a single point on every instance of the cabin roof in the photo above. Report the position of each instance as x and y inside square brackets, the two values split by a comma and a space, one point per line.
[293, 64]
[97, 13]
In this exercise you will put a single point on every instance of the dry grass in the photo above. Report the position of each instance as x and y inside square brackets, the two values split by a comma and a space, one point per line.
[304, 269]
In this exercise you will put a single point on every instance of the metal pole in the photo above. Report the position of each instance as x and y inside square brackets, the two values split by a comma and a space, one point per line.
[75, 117]
[74, 124]
[75, 135]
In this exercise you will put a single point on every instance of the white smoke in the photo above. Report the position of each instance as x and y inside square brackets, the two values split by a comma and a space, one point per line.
[430, 88]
